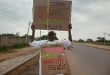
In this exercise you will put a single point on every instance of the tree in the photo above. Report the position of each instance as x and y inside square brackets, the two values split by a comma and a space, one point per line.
[108, 41]
[9, 35]
[101, 39]
[44, 37]
[89, 40]
[24, 36]
[81, 40]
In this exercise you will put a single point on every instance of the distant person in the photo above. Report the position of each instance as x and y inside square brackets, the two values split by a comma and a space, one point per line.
[52, 39]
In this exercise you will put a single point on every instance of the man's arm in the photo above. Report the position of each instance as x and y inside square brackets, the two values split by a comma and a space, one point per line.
[33, 32]
[69, 32]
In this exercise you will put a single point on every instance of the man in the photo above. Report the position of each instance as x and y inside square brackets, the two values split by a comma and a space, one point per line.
[52, 39]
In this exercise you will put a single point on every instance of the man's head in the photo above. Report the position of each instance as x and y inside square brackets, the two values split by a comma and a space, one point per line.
[52, 36]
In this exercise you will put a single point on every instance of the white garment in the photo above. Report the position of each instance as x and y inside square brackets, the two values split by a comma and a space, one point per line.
[38, 44]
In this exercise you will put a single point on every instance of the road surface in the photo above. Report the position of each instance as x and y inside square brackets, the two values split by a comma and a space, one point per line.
[85, 60]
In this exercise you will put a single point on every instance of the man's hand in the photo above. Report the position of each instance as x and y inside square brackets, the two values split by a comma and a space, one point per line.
[33, 27]
[69, 32]
[69, 26]
[33, 32]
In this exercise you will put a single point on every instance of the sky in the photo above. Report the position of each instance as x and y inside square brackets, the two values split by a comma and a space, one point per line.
[90, 18]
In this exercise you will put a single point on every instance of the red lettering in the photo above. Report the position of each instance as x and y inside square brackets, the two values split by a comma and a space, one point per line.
[54, 61]
[49, 61]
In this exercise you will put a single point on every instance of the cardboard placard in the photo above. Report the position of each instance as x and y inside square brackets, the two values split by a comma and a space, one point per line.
[54, 15]
[53, 61]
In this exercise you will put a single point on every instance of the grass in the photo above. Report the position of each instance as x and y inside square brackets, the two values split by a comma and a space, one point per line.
[99, 43]
[5, 49]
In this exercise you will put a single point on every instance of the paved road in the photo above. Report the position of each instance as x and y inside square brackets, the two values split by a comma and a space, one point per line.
[89, 61]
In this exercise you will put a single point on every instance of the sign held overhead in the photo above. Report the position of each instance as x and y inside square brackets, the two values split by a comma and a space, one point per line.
[52, 15]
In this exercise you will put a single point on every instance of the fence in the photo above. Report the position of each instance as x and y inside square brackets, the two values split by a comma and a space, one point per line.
[11, 41]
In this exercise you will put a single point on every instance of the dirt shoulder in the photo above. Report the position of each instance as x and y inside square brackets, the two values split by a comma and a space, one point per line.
[96, 46]
[16, 53]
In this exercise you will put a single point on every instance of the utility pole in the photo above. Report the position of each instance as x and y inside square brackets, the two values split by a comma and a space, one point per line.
[27, 32]
[17, 34]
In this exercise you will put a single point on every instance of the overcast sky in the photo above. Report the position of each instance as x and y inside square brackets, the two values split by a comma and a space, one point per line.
[90, 18]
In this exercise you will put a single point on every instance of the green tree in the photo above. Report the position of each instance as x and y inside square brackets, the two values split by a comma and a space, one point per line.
[44, 37]
[89, 40]
[24, 36]
[81, 40]
[101, 39]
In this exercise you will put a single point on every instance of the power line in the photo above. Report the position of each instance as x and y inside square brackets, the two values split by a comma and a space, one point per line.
[11, 17]
[11, 13]
[7, 15]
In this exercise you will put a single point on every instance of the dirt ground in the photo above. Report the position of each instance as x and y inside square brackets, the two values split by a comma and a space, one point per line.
[15, 53]
[29, 68]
